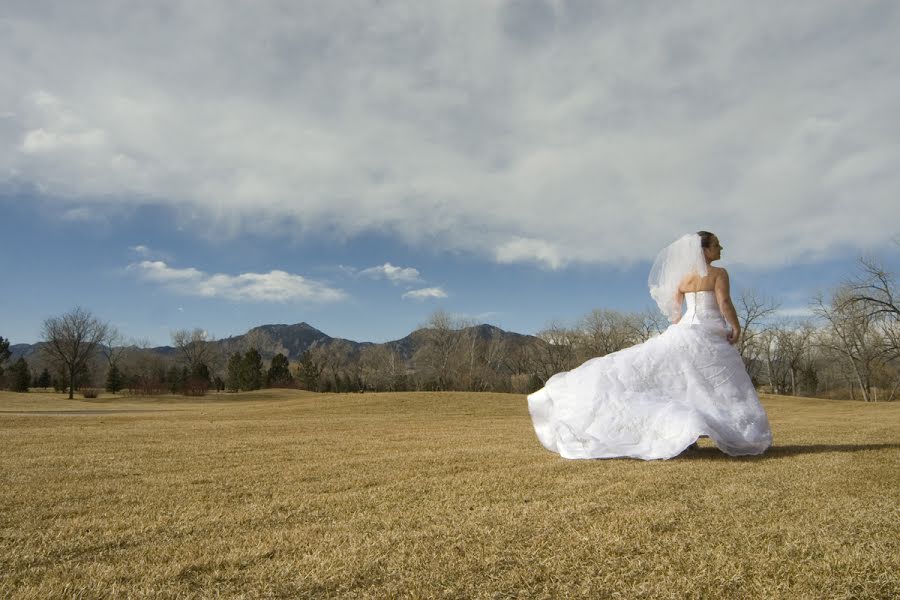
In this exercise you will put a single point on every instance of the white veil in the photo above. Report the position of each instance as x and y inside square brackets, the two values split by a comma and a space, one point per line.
[681, 257]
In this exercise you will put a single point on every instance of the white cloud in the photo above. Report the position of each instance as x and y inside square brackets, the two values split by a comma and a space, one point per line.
[80, 213]
[530, 250]
[392, 273]
[274, 286]
[149, 253]
[425, 293]
[545, 132]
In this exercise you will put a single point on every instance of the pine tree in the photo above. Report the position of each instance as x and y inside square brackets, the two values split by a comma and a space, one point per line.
[44, 380]
[197, 381]
[279, 371]
[309, 372]
[233, 372]
[534, 383]
[114, 379]
[19, 376]
[174, 379]
[201, 372]
[4, 352]
[251, 370]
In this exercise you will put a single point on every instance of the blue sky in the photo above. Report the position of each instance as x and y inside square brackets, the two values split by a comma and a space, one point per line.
[357, 166]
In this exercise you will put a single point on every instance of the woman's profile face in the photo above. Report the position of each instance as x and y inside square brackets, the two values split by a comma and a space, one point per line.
[714, 250]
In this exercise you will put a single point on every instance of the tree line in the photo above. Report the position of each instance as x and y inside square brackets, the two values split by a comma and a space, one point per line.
[848, 348]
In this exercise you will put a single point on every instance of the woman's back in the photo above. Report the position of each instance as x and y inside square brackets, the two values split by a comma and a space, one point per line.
[696, 283]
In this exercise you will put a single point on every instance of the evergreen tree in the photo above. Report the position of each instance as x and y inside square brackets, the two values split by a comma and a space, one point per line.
[174, 379]
[279, 371]
[19, 376]
[4, 352]
[197, 380]
[201, 372]
[309, 372]
[534, 383]
[219, 383]
[233, 372]
[44, 380]
[114, 379]
[251, 370]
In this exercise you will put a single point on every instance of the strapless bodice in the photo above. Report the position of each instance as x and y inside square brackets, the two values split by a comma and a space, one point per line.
[701, 308]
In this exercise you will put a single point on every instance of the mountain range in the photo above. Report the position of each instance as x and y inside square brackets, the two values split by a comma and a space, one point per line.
[294, 340]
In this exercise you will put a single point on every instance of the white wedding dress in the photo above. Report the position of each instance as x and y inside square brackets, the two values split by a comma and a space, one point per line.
[653, 400]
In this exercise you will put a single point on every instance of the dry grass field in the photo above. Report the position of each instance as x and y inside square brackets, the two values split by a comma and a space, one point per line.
[285, 494]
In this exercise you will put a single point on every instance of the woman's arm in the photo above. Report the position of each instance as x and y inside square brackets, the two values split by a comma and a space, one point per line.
[723, 296]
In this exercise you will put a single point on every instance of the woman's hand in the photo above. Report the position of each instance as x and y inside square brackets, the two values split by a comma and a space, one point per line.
[733, 335]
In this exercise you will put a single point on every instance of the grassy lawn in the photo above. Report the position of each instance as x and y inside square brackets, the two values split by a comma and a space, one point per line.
[292, 494]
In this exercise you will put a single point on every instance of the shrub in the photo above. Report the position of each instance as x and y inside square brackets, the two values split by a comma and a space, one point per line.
[196, 386]
[90, 392]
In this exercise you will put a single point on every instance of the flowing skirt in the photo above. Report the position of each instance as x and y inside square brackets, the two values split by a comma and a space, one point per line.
[653, 400]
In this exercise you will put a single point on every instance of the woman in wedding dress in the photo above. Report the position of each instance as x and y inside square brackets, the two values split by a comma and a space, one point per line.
[655, 399]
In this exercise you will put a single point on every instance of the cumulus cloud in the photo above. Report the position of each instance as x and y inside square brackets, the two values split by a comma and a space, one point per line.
[274, 286]
[546, 132]
[148, 253]
[525, 250]
[392, 273]
[425, 293]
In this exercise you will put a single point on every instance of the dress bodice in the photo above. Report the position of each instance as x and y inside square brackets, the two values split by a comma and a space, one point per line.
[701, 307]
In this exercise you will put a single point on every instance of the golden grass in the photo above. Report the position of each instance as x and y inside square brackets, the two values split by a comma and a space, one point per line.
[284, 494]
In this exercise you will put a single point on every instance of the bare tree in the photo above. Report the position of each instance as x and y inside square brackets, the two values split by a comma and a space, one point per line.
[113, 345]
[853, 336]
[333, 359]
[753, 310]
[603, 332]
[434, 360]
[381, 369]
[492, 364]
[557, 353]
[71, 340]
[787, 350]
[646, 324]
[875, 291]
[195, 348]
[147, 368]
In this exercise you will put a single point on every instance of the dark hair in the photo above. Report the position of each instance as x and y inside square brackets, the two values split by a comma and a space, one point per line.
[705, 238]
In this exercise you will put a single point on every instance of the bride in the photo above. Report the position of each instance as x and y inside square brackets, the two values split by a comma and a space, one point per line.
[654, 400]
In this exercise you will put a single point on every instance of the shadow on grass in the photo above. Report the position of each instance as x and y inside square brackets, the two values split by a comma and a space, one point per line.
[786, 450]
